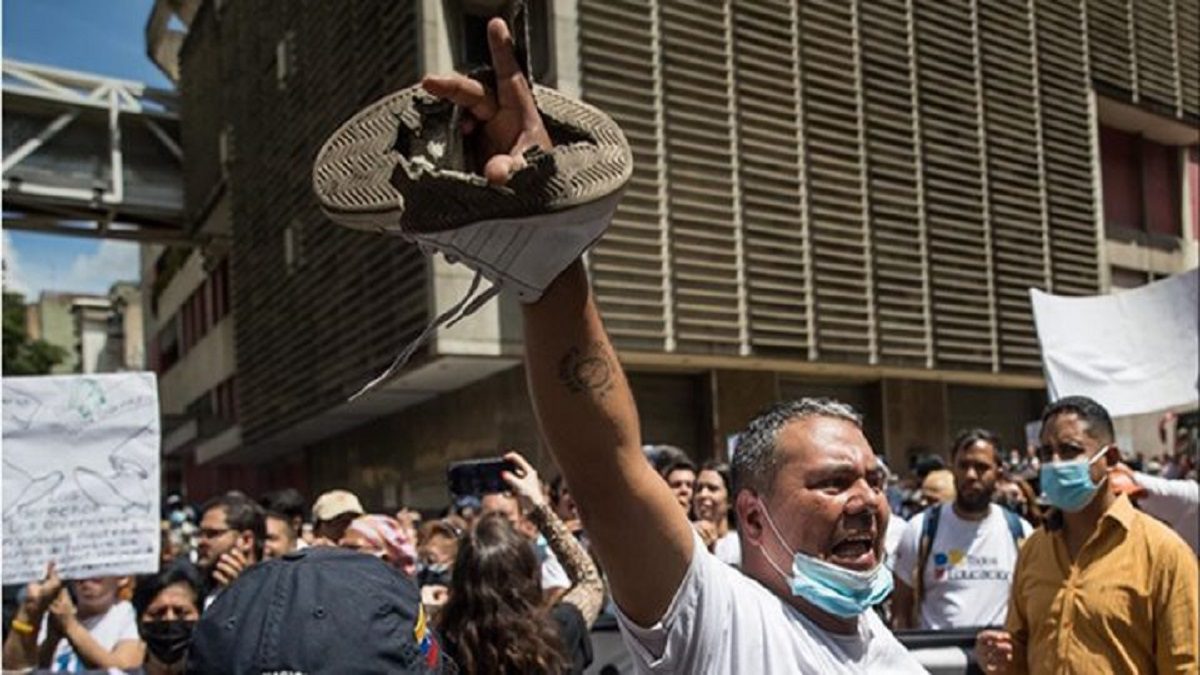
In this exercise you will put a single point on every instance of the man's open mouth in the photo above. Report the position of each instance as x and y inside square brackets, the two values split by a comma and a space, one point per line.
[855, 552]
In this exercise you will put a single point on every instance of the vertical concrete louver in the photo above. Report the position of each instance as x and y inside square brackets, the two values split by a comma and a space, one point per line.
[902, 170]
[854, 181]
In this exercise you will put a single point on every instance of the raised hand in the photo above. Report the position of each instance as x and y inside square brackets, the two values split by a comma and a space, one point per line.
[708, 533]
[993, 650]
[507, 118]
[40, 594]
[62, 609]
[525, 482]
[229, 566]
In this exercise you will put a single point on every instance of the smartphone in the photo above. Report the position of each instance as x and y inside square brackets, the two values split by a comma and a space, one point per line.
[478, 477]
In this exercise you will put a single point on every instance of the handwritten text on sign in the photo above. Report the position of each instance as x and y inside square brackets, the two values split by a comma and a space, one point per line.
[81, 475]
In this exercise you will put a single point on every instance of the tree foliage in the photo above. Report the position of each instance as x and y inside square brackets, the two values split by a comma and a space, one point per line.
[23, 356]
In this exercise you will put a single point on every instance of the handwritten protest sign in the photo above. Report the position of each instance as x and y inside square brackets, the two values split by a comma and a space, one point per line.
[81, 475]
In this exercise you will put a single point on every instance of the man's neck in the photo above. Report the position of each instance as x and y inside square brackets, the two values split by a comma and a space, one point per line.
[756, 567]
[965, 514]
[1078, 526]
[823, 619]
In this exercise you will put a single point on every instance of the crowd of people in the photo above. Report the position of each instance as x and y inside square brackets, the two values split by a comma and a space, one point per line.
[803, 553]
[515, 567]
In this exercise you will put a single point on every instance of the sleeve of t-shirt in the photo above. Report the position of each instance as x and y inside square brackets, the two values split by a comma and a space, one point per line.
[1166, 499]
[696, 619]
[553, 573]
[906, 552]
[127, 622]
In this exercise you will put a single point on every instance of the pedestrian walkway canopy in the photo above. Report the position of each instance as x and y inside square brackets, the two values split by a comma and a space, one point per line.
[88, 155]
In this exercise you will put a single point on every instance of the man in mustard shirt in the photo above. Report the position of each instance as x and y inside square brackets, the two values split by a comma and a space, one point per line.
[1102, 587]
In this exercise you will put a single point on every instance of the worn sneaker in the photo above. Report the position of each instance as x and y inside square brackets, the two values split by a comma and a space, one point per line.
[401, 166]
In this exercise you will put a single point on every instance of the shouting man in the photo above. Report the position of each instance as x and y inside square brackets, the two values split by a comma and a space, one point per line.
[808, 490]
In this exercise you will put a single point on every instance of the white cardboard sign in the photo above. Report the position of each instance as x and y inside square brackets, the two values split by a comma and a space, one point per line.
[81, 475]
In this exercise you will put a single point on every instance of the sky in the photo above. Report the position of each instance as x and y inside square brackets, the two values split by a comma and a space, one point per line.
[104, 37]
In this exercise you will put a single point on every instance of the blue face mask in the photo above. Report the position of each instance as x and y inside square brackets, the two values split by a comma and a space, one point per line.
[836, 590]
[1069, 485]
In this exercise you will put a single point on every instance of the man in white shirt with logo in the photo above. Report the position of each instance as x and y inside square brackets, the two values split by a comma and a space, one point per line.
[955, 561]
[808, 490]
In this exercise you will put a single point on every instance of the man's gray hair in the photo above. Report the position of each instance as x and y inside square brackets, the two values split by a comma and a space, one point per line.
[755, 460]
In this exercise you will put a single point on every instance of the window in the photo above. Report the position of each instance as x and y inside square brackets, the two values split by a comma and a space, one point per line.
[283, 59]
[468, 35]
[1142, 185]
[293, 246]
[168, 344]
[225, 149]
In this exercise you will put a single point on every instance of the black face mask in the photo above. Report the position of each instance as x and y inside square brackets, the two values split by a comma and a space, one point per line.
[168, 641]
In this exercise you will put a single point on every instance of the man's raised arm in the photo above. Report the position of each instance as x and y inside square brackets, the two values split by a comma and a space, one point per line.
[586, 411]
[584, 406]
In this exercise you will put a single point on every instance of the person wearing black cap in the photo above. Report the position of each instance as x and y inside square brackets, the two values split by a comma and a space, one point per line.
[319, 610]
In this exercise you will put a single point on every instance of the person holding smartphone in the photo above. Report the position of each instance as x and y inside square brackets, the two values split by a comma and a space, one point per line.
[495, 599]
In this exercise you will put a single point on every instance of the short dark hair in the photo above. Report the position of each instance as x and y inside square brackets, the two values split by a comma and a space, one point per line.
[660, 456]
[721, 469]
[148, 586]
[241, 514]
[678, 464]
[282, 517]
[1095, 416]
[287, 501]
[755, 461]
[558, 486]
[968, 437]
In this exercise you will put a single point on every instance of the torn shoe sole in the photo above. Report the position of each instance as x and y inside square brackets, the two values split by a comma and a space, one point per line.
[400, 167]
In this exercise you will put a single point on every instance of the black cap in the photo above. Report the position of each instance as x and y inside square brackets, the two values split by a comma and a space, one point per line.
[317, 610]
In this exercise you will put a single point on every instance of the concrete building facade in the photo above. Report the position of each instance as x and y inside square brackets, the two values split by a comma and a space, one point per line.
[848, 199]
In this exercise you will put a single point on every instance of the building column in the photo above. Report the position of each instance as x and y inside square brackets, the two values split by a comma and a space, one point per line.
[914, 414]
[737, 396]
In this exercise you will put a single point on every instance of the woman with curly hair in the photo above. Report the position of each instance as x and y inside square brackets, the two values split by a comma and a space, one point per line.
[496, 619]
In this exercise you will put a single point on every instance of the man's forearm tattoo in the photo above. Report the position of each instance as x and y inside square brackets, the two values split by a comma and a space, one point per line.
[590, 369]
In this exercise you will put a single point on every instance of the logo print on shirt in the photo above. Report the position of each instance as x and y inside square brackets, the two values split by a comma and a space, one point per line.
[943, 562]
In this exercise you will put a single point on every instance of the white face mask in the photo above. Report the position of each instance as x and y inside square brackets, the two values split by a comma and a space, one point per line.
[839, 591]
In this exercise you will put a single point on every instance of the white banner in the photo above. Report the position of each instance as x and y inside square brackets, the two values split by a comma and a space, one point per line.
[81, 475]
[1134, 351]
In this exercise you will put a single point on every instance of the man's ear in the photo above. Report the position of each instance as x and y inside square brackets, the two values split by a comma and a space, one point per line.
[245, 542]
[750, 516]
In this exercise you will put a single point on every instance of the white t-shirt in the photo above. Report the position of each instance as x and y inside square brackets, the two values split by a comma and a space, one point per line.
[969, 571]
[722, 621]
[554, 575]
[728, 549]
[1175, 502]
[891, 539]
[109, 628]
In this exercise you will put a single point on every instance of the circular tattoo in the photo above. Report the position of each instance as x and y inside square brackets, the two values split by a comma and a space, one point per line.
[586, 370]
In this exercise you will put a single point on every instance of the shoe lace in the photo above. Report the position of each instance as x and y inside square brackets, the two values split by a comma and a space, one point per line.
[468, 305]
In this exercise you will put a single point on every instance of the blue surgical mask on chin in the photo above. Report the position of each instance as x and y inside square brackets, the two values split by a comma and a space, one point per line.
[830, 588]
[1068, 485]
